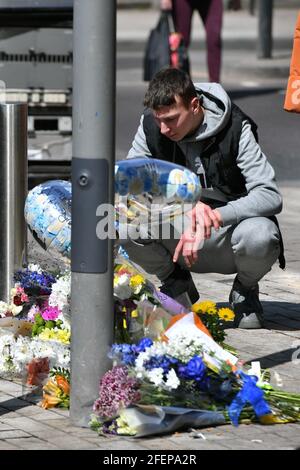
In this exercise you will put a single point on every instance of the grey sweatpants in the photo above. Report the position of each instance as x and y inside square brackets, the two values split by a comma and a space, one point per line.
[249, 249]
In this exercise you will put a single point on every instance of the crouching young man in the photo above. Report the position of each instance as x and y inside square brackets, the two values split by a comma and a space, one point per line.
[197, 125]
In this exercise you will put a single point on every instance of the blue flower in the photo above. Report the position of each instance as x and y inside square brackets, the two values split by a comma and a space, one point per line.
[143, 344]
[165, 362]
[125, 353]
[195, 369]
[42, 282]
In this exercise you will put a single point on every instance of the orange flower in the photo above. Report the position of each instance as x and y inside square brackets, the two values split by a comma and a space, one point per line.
[63, 384]
[49, 401]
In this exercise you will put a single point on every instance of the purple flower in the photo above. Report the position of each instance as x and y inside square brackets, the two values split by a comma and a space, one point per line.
[117, 390]
[195, 369]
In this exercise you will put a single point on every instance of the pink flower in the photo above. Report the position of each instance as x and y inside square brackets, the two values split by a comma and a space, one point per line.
[32, 313]
[50, 313]
[22, 294]
[24, 298]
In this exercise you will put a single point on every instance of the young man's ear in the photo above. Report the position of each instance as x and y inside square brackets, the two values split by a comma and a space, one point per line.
[195, 105]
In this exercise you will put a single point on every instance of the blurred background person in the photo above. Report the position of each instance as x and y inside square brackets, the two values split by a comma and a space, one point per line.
[211, 14]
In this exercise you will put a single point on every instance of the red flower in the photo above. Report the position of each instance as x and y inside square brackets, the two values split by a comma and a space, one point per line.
[17, 300]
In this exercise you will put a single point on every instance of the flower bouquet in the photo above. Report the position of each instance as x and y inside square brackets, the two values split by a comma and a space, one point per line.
[32, 288]
[140, 308]
[186, 379]
[34, 328]
[130, 289]
[56, 392]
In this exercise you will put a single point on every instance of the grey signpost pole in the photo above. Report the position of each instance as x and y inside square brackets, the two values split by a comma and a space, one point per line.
[265, 17]
[92, 186]
[13, 191]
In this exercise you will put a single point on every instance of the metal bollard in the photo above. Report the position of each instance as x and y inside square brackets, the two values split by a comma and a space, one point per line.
[13, 191]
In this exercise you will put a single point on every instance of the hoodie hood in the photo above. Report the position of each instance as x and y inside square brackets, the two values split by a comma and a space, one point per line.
[216, 115]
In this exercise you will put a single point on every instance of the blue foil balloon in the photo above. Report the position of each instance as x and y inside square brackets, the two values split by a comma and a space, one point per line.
[157, 178]
[48, 215]
[141, 182]
[154, 188]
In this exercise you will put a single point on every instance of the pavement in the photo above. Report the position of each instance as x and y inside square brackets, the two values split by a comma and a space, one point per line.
[24, 425]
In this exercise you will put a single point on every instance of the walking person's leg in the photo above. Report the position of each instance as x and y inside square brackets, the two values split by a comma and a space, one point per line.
[182, 13]
[211, 12]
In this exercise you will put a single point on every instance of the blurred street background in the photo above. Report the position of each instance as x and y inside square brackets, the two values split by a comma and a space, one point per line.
[256, 85]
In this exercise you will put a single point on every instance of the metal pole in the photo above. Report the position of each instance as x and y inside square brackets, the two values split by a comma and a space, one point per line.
[265, 16]
[13, 191]
[92, 185]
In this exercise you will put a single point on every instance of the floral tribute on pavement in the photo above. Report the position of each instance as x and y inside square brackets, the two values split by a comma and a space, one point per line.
[35, 331]
[171, 366]
[172, 369]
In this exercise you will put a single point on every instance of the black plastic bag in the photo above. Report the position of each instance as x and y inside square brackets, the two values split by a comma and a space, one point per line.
[160, 50]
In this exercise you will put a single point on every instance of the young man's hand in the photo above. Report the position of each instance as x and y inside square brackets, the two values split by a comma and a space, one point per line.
[166, 4]
[203, 218]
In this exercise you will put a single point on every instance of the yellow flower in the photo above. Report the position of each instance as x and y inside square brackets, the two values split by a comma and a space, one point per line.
[56, 335]
[51, 388]
[136, 281]
[212, 311]
[226, 314]
[49, 401]
[207, 306]
[63, 336]
[46, 334]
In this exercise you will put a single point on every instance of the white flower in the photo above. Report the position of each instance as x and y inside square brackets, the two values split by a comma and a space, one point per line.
[35, 268]
[13, 291]
[172, 381]
[61, 292]
[156, 376]
[3, 309]
[15, 310]
[122, 290]
[16, 353]
[12, 309]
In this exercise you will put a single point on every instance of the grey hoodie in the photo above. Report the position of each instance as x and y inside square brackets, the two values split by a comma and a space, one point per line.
[263, 198]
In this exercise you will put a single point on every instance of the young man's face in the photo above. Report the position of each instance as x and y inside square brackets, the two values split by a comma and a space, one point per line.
[178, 120]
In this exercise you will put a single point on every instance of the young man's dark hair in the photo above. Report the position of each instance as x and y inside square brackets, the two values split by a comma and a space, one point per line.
[167, 84]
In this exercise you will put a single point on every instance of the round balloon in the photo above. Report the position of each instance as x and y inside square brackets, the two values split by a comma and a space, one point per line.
[48, 215]
[152, 186]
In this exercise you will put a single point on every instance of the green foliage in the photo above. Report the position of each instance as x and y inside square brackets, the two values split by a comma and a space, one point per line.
[60, 371]
[214, 326]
